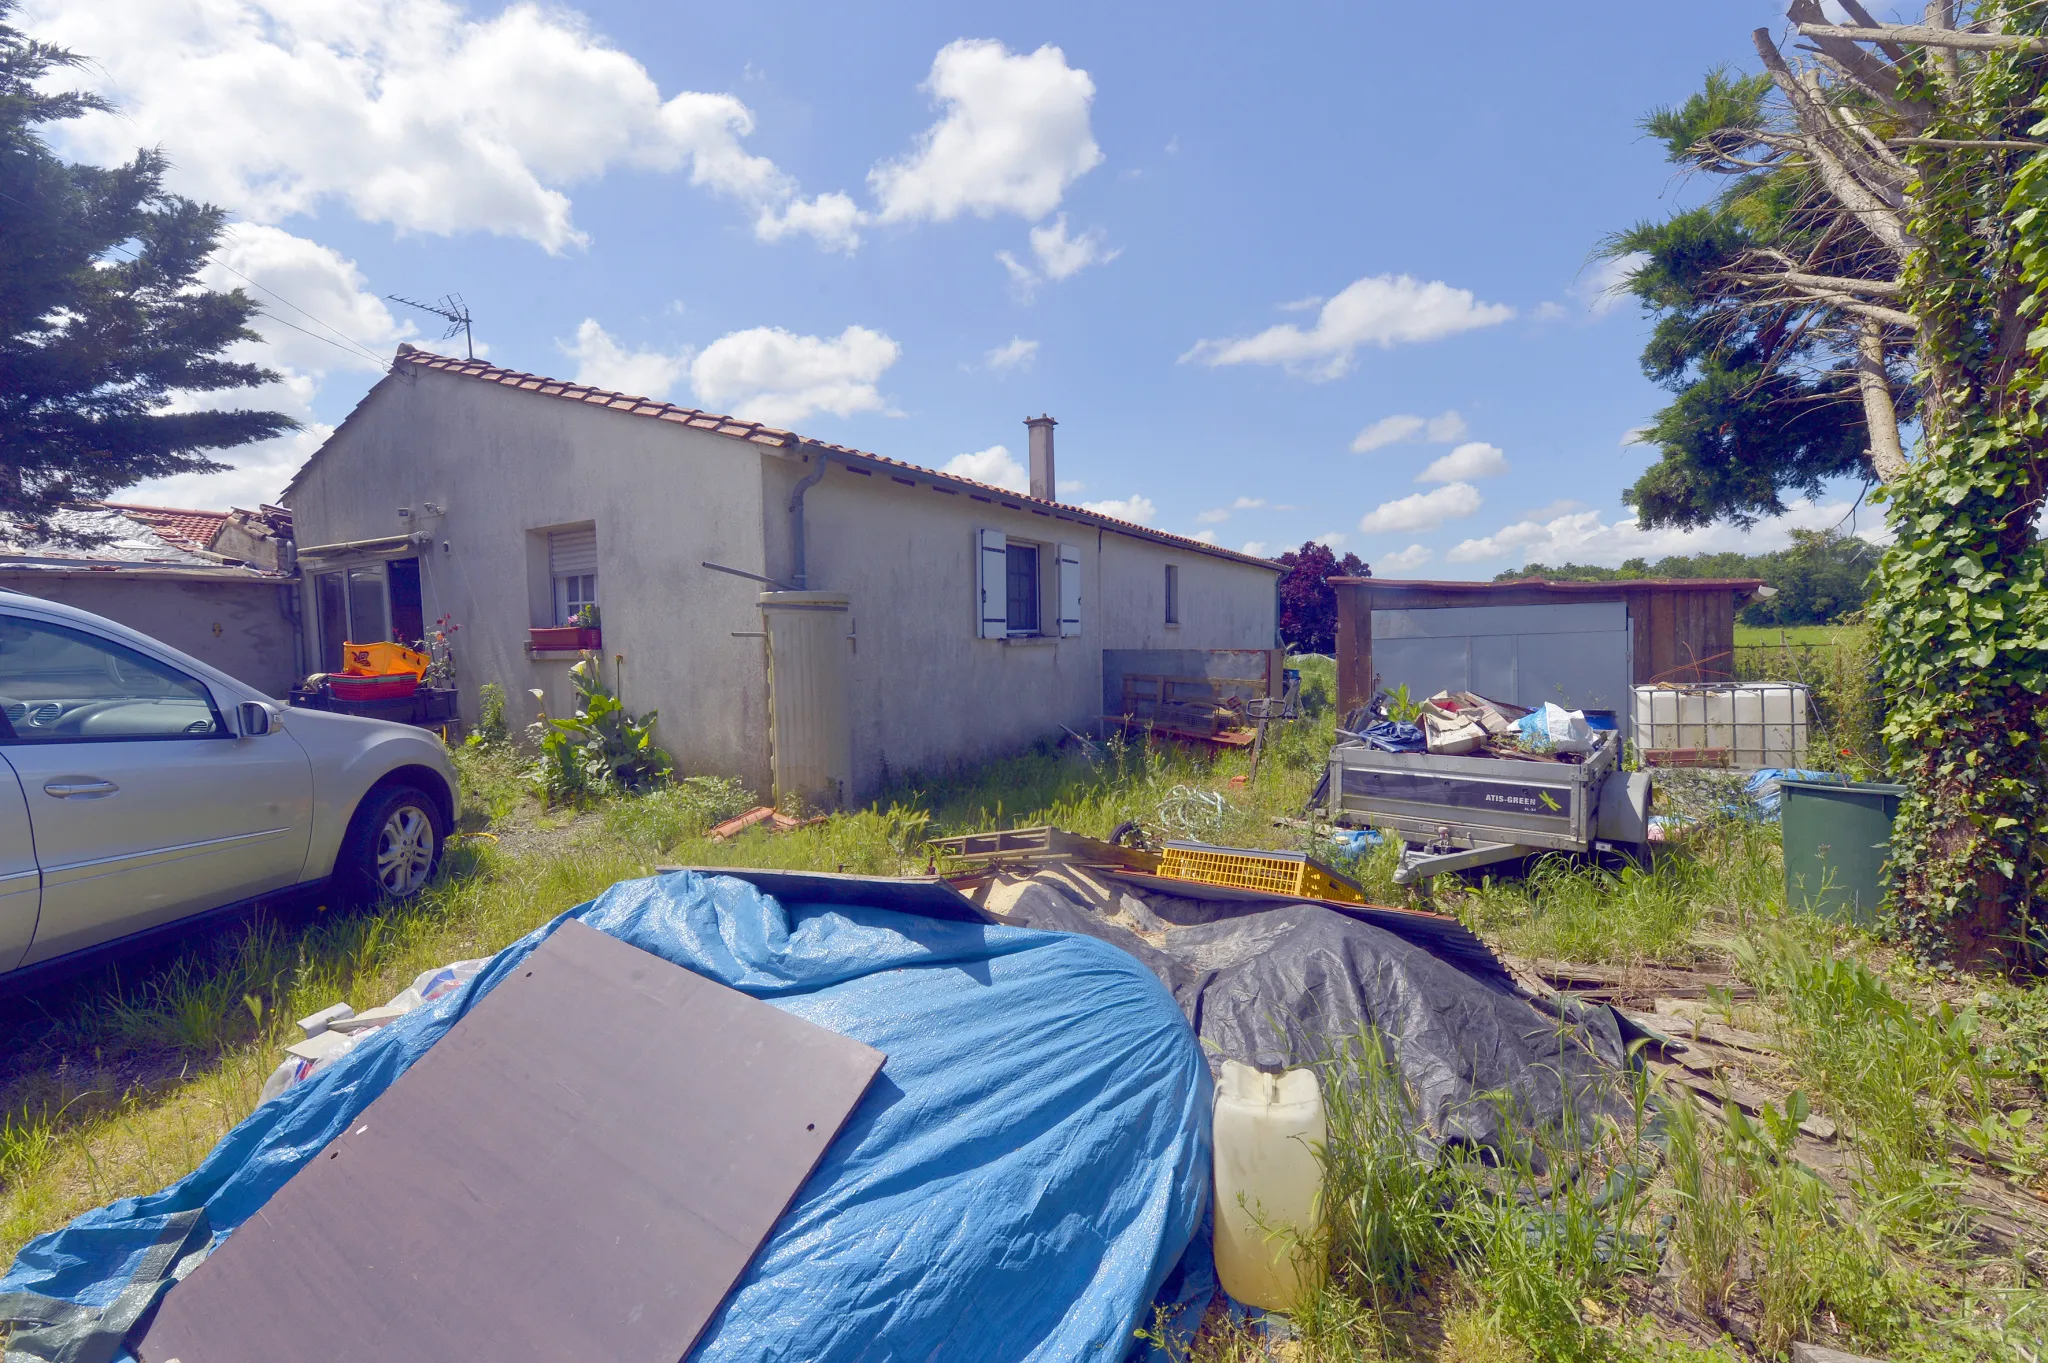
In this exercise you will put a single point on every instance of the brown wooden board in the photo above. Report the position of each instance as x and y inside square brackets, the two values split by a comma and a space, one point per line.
[581, 1168]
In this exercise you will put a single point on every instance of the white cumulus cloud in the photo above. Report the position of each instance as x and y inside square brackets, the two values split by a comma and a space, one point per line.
[1381, 310]
[330, 301]
[1423, 510]
[1604, 285]
[603, 363]
[409, 112]
[1333, 539]
[1058, 256]
[1213, 515]
[775, 376]
[1061, 256]
[1014, 354]
[1204, 536]
[1440, 429]
[995, 466]
[1256, 548]
[1475, 459]
[1136, 508]
[1012, 135]
[1586, 537]
[332, 323]
[1403, 560]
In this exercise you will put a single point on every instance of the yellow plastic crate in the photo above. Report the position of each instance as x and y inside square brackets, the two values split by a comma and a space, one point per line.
[381, 660]
[1288, 873]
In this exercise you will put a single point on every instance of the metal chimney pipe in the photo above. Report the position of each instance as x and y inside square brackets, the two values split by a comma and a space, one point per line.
[1043, 485]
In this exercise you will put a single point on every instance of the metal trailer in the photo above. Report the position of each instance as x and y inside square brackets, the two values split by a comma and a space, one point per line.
[1455, 813]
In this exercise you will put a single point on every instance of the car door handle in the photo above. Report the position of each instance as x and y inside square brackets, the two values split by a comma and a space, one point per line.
[77, 789]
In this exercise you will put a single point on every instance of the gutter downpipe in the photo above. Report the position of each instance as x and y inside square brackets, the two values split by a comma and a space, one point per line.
[796, 515]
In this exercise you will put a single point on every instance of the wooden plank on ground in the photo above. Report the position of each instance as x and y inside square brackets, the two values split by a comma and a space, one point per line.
[580, 1168]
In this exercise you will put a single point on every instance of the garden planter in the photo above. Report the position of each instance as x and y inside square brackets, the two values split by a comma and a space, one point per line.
[566, 637]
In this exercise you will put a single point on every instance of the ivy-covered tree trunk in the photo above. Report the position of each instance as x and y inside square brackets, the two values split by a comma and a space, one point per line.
[1962, 600]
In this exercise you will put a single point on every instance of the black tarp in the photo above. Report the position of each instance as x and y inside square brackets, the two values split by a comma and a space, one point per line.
[1283, 987]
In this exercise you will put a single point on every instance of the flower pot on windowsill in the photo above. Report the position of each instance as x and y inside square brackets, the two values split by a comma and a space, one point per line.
[565, 638]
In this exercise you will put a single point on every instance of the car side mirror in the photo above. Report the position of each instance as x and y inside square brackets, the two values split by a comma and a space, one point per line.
[253, 717]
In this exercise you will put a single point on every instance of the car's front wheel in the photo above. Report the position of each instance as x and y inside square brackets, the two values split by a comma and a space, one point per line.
[394, 843]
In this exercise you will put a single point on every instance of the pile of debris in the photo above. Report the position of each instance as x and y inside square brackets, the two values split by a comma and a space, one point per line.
[1465, 724]
[909, 1104]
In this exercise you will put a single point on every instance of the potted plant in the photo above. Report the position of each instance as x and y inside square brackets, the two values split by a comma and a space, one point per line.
[582, 633]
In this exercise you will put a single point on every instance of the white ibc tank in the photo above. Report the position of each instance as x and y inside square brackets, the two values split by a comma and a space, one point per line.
[1268, 1183]
[1759, 724]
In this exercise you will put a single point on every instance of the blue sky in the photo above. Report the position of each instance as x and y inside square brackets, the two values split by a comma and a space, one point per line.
[1280, 272]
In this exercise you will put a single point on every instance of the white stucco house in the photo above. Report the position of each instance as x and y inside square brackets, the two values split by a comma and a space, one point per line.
[865, 617]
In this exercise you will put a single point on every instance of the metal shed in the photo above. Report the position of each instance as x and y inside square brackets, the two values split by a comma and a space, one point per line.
[1585, 643]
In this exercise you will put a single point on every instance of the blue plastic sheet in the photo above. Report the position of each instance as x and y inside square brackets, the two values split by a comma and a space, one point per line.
[1393, 735]
[1766, 784]
[1025, 1172]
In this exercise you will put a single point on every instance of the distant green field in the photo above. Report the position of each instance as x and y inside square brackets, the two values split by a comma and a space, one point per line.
[1796, 634]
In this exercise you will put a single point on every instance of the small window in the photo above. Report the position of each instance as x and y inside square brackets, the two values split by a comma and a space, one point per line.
[59, 685]
[1172, 594]
[572, 568]
[572, 594]
[1022, 580]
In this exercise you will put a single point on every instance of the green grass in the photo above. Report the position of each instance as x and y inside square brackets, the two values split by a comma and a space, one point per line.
[120, 1082]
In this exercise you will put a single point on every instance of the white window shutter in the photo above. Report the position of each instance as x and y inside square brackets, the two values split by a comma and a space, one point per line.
[992, 582]
[1070, 591]
[572, 552]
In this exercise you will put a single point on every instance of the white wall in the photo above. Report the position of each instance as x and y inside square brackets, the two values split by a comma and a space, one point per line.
[927, 693]
[237, 625]
[503, 463]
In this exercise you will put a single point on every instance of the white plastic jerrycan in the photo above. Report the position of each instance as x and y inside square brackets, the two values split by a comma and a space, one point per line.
[1268, 1182]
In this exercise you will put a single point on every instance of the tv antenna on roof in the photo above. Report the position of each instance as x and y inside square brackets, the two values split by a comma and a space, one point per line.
[452, 309]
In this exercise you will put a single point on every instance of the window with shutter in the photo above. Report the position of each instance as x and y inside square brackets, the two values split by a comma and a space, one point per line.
[1070, 591]
[572, 564]
[1172, 594]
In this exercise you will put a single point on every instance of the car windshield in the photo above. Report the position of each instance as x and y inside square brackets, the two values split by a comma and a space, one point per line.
[58, 683]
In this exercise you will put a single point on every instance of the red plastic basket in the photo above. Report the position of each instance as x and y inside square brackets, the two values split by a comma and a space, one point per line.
[392, 686]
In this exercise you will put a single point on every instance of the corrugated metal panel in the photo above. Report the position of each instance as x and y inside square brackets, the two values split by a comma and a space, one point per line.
[810, 732]
[572, 552]
[1445, 622]
[1574, 653]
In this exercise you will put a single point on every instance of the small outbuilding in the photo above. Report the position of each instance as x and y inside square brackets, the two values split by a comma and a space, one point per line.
[218, 585]
[1586, 644]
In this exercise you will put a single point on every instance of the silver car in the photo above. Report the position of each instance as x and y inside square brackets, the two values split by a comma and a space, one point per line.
[140, 787]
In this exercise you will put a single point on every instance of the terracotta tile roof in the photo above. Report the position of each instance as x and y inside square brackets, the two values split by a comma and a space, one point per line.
[192, 530]
[760, 434]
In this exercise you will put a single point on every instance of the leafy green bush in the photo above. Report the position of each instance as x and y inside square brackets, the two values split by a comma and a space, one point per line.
[601, 748]
[491, 729]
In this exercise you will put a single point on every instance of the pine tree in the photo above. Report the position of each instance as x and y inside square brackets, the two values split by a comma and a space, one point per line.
[103, 325]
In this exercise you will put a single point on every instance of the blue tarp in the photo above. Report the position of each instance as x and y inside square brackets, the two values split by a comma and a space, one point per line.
[1025, 1172]
[1766, 784]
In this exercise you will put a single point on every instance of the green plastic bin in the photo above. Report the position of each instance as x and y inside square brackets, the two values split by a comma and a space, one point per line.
[1836, 839]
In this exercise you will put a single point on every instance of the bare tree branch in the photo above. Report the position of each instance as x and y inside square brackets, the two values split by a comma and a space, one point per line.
[1927, 36]
[1876, 147]
[1854, 195]
[1887, 455]
[1832, 297]
[1858, 66]
[1942, 14]
[1854, 9]
[1883, 288]
[1966, 143]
